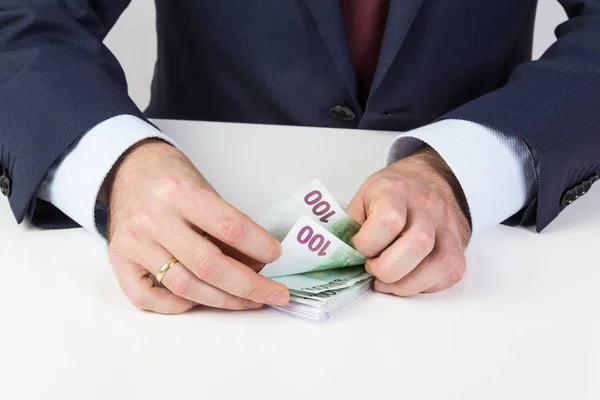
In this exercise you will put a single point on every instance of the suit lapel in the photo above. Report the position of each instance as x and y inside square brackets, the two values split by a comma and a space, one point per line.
[327, 15]
[400, 18]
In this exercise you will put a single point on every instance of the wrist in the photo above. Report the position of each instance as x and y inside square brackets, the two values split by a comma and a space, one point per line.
[427, 160]
[130, 162]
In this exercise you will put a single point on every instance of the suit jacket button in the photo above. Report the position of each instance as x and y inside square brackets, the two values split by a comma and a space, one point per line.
[5, 185]
[586, 186]
[568, 198]
[342, 113]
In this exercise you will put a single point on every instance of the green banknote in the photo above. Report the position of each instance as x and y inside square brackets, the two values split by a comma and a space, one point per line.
[309, 247]
[322, 281]
[319, 265]
[330, 297]
[315, 202]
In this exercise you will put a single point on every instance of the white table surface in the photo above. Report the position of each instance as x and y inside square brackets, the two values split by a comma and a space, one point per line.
[523, 324]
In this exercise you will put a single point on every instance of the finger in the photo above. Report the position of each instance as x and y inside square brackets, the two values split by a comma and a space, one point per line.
[408, 251]
[449, 281]
[213, 215]
[203, 259]
[445, 259]
[386, 218]
[356, 208]
[184, 284]
[140, 290]
[239, 256]
[234, 253]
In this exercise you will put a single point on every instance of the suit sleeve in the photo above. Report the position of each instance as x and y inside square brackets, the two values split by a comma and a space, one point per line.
[57, 81]
[553, 105]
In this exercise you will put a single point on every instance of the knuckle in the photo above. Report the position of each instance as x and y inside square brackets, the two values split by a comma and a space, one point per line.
[144, 218]
[205, 269]
[230, 303]
[231, 230]
[424, 241]
[180, 285]
[393, 184]
[131, 234]
[168, 188]
[393, 220]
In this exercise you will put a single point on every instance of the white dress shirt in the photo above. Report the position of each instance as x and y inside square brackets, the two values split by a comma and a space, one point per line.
[496, 171]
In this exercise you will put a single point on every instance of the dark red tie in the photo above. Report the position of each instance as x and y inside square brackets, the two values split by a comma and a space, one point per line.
[365, 24]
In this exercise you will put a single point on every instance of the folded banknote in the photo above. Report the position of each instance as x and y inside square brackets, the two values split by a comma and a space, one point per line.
[322, 270]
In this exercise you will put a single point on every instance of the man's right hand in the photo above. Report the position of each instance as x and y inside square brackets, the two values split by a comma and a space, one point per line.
[159, 207]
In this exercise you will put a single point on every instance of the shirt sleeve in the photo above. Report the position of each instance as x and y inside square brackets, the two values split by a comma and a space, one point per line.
[73, 185]
[496, 171]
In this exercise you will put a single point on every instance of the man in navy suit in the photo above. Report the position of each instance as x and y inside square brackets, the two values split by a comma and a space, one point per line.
[488, 136]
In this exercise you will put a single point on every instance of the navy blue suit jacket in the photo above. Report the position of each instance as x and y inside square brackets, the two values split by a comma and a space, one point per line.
[287, 62]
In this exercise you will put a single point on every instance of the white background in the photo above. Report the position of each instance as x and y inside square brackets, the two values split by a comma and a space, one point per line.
[133, 41]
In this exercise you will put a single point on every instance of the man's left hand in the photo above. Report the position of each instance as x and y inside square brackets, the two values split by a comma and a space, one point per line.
[414, 225]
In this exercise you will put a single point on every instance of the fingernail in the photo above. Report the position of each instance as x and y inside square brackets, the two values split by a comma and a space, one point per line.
[252, 304]
[278, 299]
[278, 252]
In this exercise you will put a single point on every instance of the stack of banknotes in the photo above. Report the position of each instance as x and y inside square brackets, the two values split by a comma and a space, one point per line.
[322, 270]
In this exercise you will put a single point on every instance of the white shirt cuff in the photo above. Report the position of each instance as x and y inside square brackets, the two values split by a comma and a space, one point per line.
[74, 184]
[496, 171]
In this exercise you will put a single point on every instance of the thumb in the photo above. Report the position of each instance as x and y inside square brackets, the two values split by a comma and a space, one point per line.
[357, 209]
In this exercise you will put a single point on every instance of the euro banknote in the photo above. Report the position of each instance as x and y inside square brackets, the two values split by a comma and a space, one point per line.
[322, 270]
[314, 201]
[322, 310]
[321, 281]
[309, 247]
[329, 297]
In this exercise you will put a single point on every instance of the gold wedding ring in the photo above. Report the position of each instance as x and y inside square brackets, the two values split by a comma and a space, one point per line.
[163, 270]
